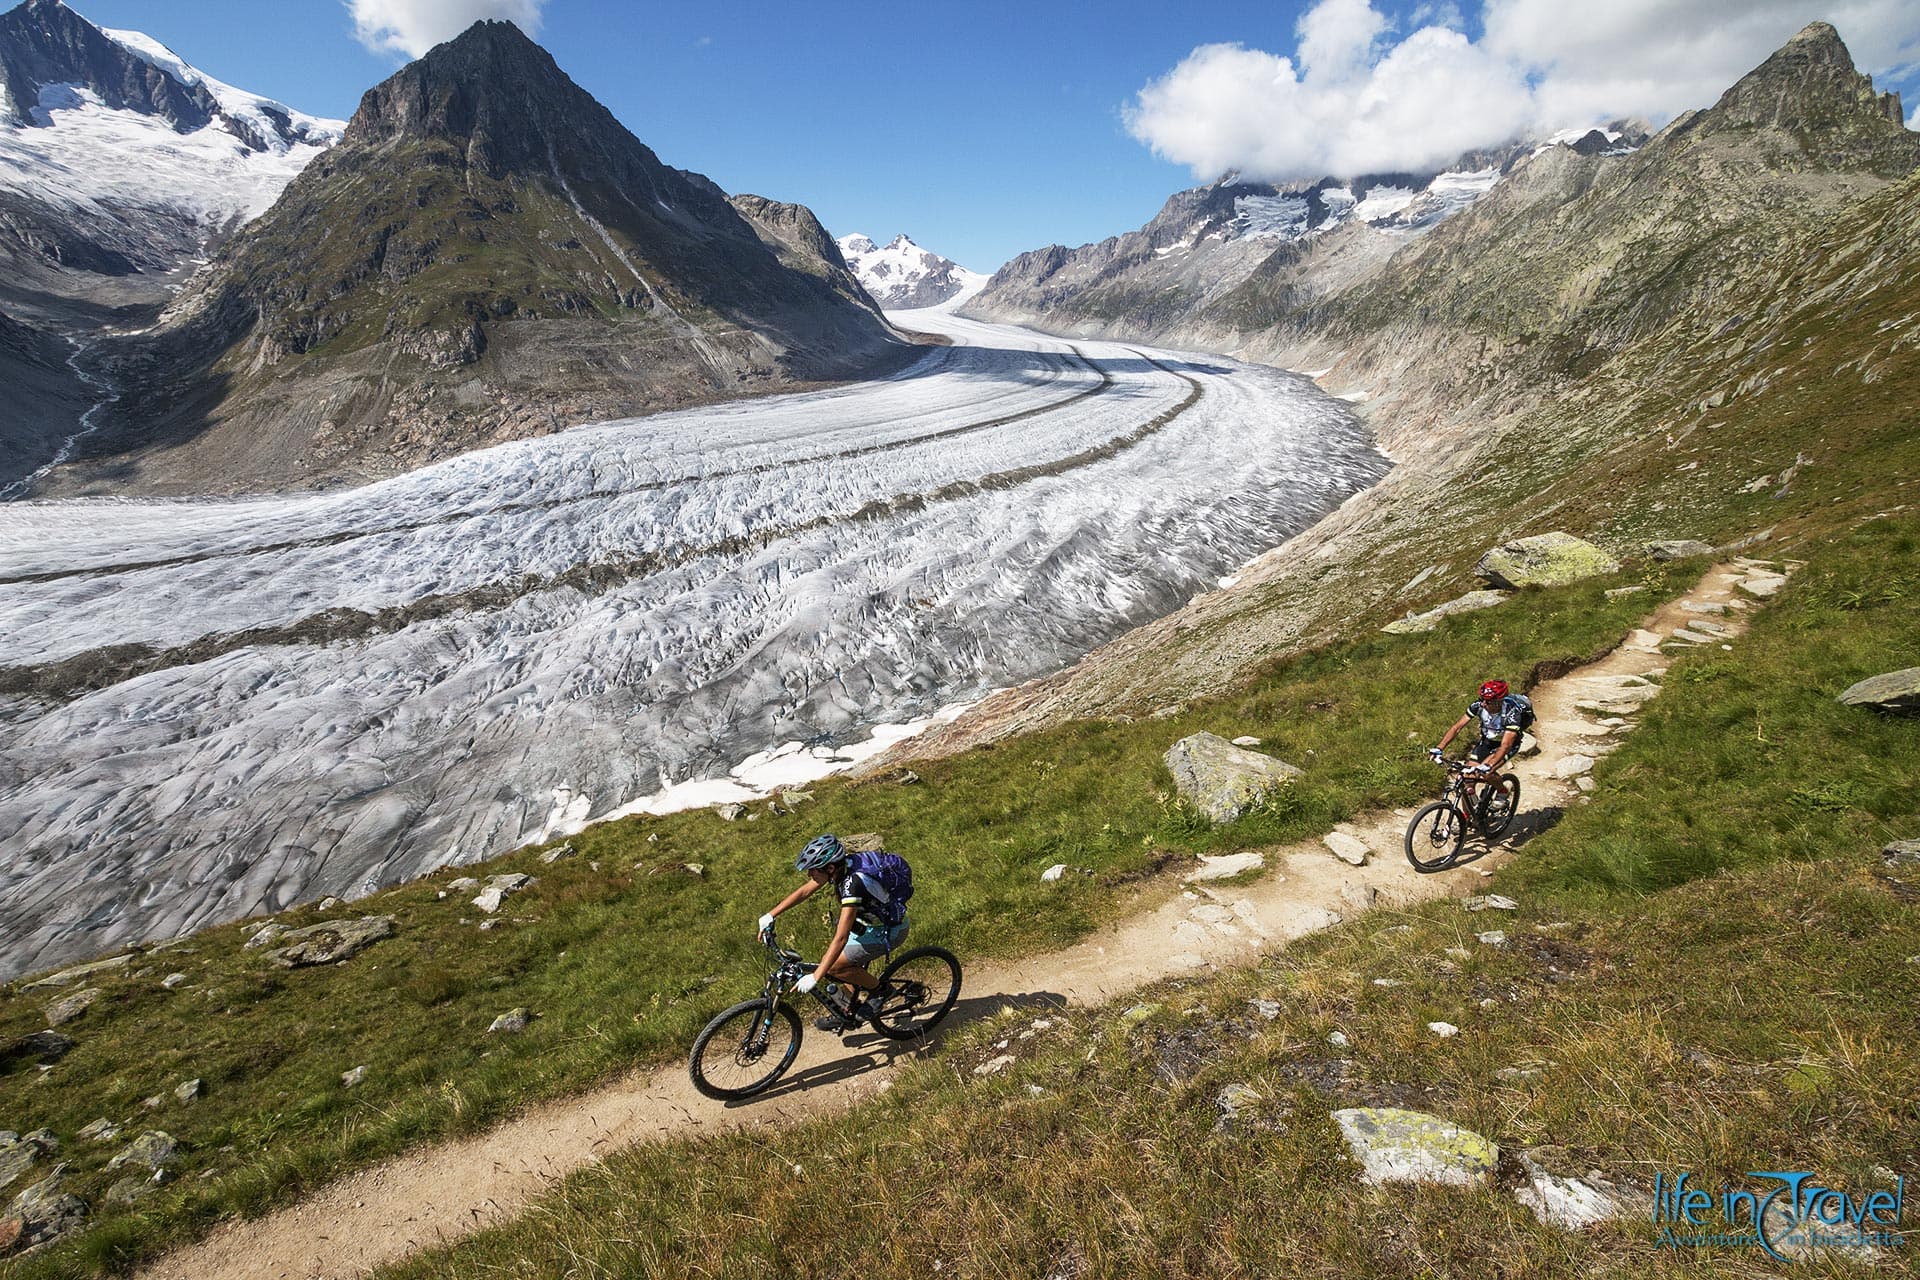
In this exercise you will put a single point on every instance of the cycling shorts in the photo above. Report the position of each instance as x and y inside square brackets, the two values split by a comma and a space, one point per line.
[876, 941]
[1484, 748]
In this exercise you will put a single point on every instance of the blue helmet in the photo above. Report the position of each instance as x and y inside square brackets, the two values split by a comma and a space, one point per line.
[821, 851]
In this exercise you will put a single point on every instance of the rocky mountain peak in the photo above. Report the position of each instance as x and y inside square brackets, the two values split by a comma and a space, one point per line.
[1811, 88]
[495, 92]
[42, 42]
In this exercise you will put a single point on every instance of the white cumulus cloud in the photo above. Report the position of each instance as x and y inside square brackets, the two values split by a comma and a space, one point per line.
[1357, 95]
[414, 26]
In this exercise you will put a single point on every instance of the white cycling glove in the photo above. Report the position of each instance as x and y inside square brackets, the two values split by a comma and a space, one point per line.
[766, 922]
[806, 984]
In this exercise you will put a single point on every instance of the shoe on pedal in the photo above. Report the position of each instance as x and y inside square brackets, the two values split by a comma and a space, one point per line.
[840, 1019]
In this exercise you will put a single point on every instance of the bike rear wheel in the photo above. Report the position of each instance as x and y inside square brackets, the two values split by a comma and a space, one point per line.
[1499, 802]
[916, 991]
[744, 1049]
[1435, 835]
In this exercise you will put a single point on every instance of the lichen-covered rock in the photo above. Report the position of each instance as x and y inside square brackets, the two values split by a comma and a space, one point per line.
[1901, 851]
[512, 1022]
[153, 1149]
[1395, 1145]
[46, 1210]
[1569, 1203]
[1468, 603]
[1221, 780]
[331, 941]
[1895, 692]
[265, 936]
[67, 1008]
[1677, 549]
[16, 1157]
[1545, 560]
[67, 977]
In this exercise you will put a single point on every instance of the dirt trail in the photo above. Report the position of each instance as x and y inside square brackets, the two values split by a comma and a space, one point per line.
[441, 1193]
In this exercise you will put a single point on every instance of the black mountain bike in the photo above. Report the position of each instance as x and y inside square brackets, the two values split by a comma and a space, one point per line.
[1438, 832]
[749, 1046]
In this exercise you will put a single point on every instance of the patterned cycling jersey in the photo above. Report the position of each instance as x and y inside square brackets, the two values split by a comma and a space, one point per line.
[876, 911]
[1511, 713]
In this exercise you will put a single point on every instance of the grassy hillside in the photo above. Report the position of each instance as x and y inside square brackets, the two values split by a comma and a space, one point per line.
[624, 953]
[1710, 970]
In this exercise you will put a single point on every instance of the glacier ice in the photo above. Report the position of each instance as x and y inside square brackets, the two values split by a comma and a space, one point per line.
[349, 689]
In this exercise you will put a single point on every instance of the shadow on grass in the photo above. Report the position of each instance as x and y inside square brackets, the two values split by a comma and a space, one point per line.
[872, 1052]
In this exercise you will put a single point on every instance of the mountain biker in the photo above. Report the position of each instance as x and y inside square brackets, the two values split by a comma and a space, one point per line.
[1502, 718]
[862, 932]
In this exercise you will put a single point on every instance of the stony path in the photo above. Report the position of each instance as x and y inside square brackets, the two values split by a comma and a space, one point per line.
[441, 1193]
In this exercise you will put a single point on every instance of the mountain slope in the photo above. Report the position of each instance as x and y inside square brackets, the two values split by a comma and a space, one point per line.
[1209, 239]
[903, 275]
[116, 156]
[1581, 350]
[488, 254]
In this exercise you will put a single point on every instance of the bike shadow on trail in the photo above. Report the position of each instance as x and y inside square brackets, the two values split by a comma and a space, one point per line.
[867, 1052]
[1527, 824]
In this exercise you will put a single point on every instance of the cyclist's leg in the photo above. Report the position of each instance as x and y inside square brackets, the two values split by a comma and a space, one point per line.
[862, 950]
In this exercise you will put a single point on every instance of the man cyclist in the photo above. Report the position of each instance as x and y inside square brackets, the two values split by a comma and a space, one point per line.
[1502, 718]
[871, 924]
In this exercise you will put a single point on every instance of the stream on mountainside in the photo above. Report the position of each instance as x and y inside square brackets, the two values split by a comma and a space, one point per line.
[216, 709]
[88, 424]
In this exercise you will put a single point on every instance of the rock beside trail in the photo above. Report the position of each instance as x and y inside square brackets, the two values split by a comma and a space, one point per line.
[1347, 848]
[1395, 1145]
[1546, 560]
[1901, 851]
[1225, 866]
[1468, 603]
[1221, 780]
[330, 942]
[1678, 549]
[1895, 692]
[17, 1155]
[1762, 585]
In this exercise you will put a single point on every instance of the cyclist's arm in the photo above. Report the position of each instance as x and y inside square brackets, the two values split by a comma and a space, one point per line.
[841, 932]
[1458, 725]
[798, 896]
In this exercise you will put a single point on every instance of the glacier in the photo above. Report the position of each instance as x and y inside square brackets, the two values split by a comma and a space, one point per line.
[218, 709]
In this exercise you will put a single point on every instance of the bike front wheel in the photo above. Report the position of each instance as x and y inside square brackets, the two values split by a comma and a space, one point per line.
[1434, 836]
[916, 991]
[1499, 802]
[744, 1049]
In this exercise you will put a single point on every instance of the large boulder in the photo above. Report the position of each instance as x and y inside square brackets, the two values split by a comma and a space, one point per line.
[330, 942]
[1221, 780]
[1545, 560]
[1896, 692]
[67, 977]
[1678, 549]
[1393, 1145]
[1427, 621]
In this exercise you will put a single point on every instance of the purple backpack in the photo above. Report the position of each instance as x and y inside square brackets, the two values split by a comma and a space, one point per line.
[888, 881]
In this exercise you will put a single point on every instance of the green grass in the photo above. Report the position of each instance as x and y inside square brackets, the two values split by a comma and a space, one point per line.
[624, 954]
[1710, 970]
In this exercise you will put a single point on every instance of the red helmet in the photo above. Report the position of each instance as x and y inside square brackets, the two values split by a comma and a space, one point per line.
[1493, 690]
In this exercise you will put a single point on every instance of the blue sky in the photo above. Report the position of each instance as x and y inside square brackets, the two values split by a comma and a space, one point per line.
[987, 128]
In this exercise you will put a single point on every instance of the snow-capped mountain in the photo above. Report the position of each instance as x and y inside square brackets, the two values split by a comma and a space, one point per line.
[150, 152]
[1208, 241]
[903, 275]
